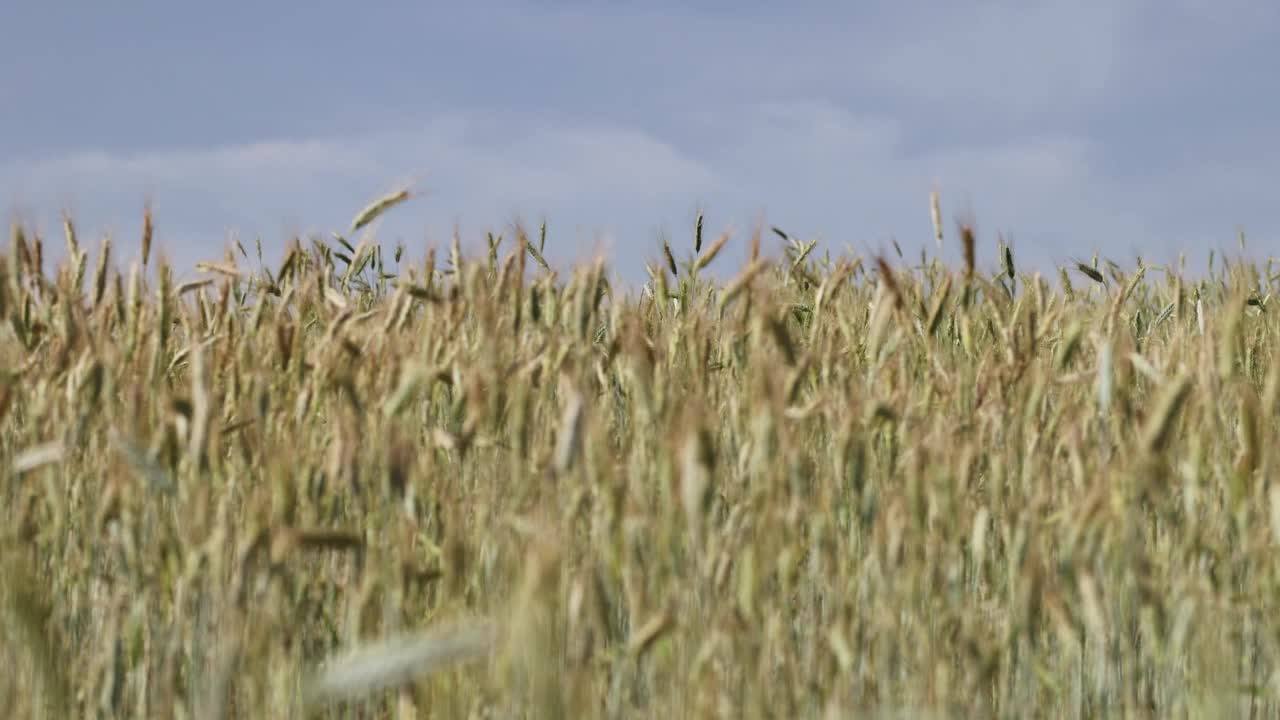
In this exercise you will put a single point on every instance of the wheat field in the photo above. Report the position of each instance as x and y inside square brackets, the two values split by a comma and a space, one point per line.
[371, 482]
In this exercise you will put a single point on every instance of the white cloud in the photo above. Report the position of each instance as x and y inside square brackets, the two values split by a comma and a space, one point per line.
[861, 179]
[572, 174]
[1108, 125]
[241, 163]
[811, 166]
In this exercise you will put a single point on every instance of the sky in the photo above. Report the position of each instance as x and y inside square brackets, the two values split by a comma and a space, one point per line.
[1130, 127]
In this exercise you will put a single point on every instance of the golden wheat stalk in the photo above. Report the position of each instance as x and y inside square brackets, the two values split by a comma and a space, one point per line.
[38, 456]
[935, 213]
[377, 207]
[148, 234]
[705, 258]
[1159, 427]
[396, 661]
[741, 282]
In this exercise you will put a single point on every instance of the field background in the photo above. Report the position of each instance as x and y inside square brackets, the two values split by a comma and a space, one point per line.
[368, 483]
